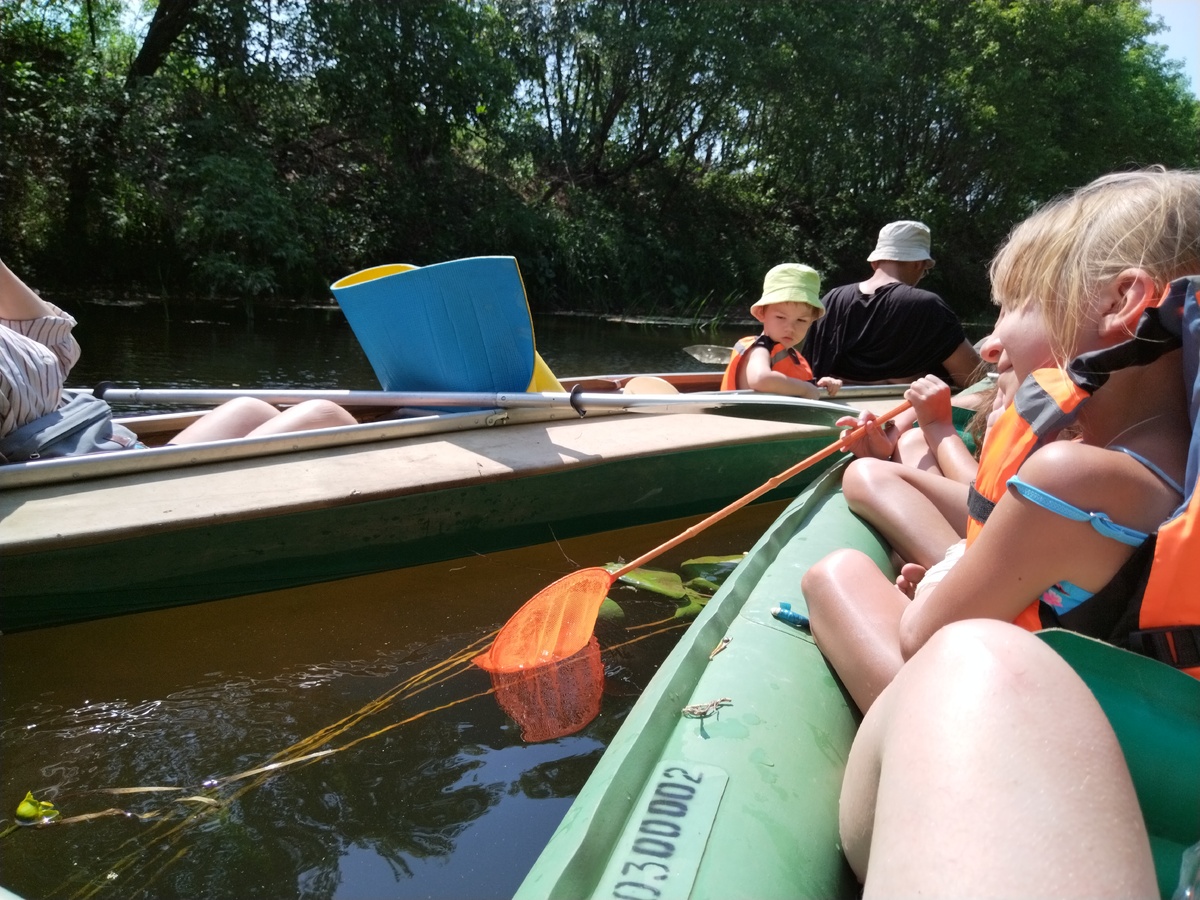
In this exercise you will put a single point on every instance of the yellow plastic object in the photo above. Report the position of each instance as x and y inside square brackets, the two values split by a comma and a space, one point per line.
[372, 273]
[543, 379]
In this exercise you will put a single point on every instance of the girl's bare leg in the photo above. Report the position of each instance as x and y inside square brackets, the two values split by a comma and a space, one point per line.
[987, 769]
[233, 419]
[855, 615]
[919, 513]
[248, 417]
[307, 416]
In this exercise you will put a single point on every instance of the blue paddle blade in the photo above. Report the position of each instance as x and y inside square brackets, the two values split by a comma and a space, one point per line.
[462, 325]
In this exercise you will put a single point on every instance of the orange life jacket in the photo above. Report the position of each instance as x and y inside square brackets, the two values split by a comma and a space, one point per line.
[1162, 617]
[783, 359]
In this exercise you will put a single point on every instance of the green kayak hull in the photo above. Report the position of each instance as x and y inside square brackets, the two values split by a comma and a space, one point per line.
[744, 803]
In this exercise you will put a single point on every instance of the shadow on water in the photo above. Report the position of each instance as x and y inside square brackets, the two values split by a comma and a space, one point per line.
[438, 796]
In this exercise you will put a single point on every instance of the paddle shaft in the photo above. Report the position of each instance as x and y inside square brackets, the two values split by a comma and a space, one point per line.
[580, 401]
[760, 490]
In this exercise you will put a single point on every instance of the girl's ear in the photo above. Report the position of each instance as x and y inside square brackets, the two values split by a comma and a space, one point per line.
[1127, 296]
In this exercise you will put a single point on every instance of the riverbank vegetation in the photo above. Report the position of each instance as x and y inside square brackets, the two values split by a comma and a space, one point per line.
[642, 156]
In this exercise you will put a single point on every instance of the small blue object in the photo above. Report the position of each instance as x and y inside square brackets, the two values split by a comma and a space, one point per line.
[784, 613]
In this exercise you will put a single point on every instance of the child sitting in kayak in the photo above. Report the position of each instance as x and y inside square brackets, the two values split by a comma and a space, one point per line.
[1073, 278]
[790, 303]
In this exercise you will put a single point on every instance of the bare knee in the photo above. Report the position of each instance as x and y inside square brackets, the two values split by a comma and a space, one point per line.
[829, 577]
[323, 413]
[863, 480]
[311, 415]
[986, 649]
[913, 450]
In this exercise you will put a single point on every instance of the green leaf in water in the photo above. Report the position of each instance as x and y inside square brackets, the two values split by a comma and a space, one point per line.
[610, 611]
[666, 583]
[696, 602]
[711, 568]
[32, 810]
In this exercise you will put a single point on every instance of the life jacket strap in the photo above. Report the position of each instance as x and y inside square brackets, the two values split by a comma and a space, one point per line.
[979, 507]
[1178, 646]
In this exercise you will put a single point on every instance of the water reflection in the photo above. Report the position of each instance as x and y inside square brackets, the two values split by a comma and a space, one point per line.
[435, 793]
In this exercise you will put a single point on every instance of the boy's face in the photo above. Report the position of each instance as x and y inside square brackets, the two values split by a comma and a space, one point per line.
[786, 323]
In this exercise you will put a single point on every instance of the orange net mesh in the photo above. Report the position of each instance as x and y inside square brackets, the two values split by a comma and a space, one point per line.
[552, 626]
[550, 701]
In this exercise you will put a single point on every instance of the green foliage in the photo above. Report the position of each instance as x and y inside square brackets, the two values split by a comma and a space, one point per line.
[652, 156]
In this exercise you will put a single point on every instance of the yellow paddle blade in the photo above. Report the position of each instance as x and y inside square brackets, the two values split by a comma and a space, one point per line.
[555, 624]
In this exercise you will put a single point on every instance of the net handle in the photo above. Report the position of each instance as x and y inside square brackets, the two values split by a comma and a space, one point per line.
[854, 433]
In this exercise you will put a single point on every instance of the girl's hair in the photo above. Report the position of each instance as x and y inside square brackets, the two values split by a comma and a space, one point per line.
[1060, 256]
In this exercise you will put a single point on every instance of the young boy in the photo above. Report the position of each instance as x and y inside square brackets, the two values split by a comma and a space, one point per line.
[790, 303]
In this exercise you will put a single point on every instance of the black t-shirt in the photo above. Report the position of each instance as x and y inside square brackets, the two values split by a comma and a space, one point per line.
[898, 332]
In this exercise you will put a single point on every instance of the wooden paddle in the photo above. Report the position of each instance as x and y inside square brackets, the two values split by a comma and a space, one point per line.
[558, 621]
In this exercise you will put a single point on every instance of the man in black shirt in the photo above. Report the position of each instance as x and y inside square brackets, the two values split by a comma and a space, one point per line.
[885, 329]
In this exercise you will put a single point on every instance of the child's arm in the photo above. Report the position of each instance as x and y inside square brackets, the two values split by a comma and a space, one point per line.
[930, 397]
[761, 377]
[1025, 549]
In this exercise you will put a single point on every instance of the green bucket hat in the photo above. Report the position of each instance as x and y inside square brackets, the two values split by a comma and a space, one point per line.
[792, 283]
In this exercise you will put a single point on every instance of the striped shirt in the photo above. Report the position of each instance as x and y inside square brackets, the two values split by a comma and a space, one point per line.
[35, 357]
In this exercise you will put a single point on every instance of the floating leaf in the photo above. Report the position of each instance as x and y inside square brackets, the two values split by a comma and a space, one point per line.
[696, 602]
[712, 568]
[610, 611]
[703, 586]
[666, 583]
[32, 810]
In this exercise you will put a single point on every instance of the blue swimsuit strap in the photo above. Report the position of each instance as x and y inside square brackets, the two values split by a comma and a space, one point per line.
[1167, 479]
[1100, 521]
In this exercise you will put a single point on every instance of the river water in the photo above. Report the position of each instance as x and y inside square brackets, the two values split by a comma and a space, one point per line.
[151, 345]
[430, 791]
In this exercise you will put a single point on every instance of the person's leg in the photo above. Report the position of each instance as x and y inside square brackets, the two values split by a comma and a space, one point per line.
[913, 450]
[307, 416]
[919, 513]
[988, 769]
[854, 612]
[234, 419]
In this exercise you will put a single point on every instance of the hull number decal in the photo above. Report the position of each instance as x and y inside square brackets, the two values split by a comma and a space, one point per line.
[660, 850]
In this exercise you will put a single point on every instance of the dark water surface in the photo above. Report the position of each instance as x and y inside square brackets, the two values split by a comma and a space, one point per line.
[439, 798]
[147, 345]
[436, 793]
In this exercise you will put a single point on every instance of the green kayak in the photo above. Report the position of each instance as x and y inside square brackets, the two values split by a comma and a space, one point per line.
[744, 802]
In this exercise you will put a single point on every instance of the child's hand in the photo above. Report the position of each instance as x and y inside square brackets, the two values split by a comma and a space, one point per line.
[877, 441]
[832, 385]
[930, 398]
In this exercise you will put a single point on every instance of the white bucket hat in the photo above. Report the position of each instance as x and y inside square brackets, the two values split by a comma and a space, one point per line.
[904, 241]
